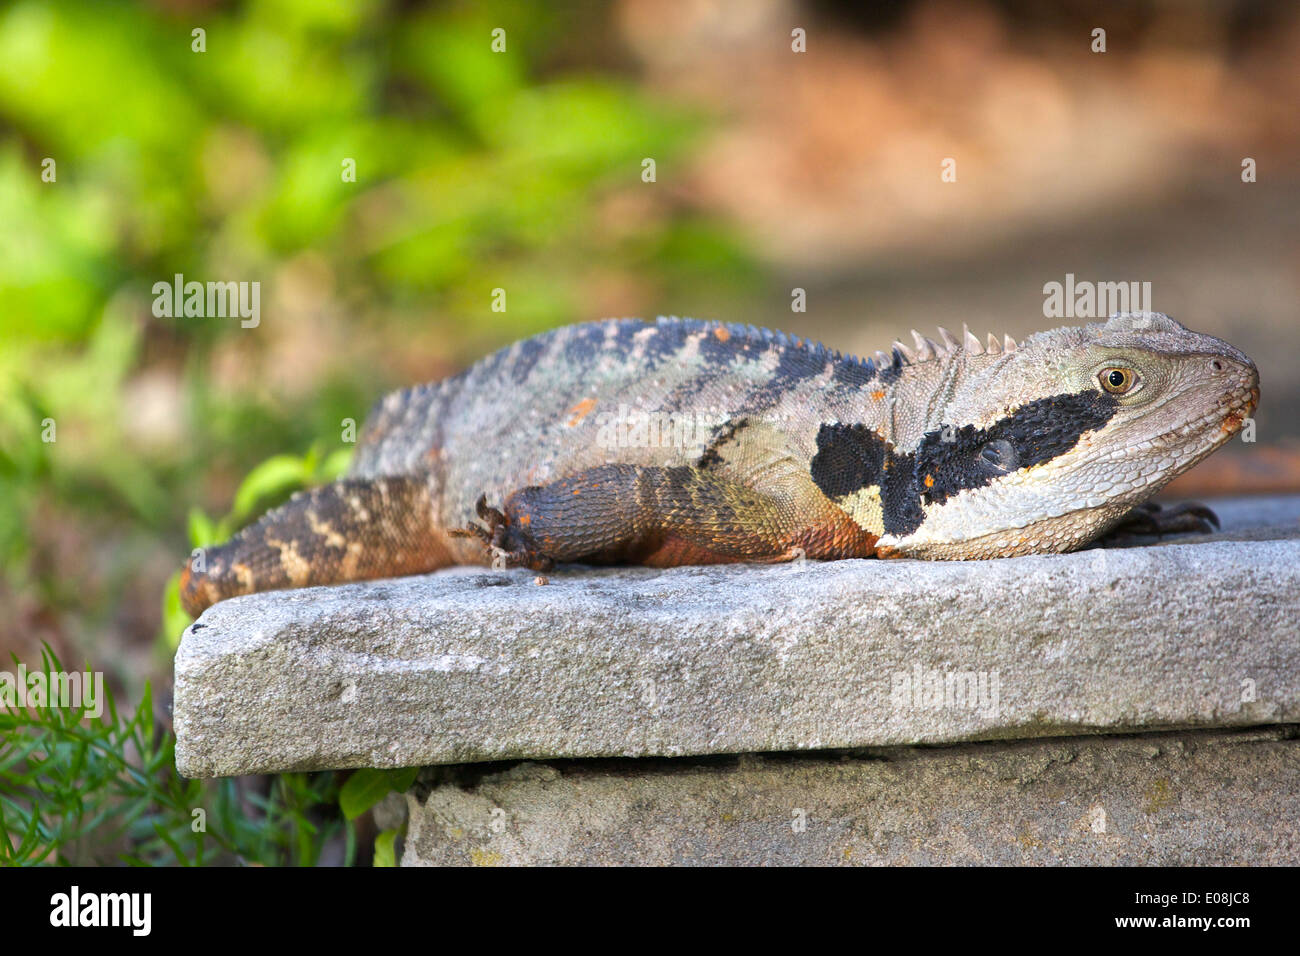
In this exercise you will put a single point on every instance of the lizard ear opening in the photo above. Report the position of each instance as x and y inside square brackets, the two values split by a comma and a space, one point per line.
[999, 456]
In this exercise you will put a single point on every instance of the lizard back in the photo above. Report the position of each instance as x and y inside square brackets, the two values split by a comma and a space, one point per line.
[620, 390]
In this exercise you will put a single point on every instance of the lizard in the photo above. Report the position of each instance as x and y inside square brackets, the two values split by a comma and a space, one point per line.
[685, 442]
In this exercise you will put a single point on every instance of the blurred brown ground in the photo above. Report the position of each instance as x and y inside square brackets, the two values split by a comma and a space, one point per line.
[1115, 166]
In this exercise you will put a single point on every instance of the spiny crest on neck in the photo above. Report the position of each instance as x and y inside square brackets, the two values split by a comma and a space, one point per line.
[925, 349]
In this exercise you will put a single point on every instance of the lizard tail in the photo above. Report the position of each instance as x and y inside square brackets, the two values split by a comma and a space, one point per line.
[350, 530]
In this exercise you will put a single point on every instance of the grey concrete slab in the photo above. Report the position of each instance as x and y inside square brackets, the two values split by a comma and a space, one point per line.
[473, 664]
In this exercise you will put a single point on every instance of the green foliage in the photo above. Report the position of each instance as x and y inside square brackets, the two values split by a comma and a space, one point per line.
[385, 851]
[83, 789]
[475, 170]
[123, 435]
[365, 788]
[174, 617]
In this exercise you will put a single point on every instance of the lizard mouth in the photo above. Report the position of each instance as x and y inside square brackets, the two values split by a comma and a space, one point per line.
[1233, 410]
[1220, 423]
[1239, 411]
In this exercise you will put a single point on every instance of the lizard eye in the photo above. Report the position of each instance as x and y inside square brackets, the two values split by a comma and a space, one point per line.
[1001, 455]
[1117, 381]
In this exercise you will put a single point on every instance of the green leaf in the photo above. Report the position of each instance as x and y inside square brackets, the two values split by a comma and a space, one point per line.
[272, 478]
[367, 787]
[335, 465]
[310, 459]
[174, 618]
[385, 850]
[403, 778]
[362, 791]
[203, 530]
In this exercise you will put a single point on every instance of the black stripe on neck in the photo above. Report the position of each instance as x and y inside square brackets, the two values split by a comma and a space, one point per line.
[947, 460]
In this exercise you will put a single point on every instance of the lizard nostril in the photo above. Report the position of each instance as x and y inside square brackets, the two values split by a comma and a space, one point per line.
[1216, 365]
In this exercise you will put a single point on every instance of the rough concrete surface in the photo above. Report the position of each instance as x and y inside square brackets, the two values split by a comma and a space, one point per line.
[1176, 799]
[473, 664]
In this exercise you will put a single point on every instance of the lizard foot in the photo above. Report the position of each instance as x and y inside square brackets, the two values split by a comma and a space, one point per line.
[1151, 519]
[494, 532]
[491, 532]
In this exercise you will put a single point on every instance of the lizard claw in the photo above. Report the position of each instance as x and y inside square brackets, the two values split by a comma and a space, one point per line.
[491, 532]
[1152, 519]
[1197, 512]
[492, 516]
[494, 533]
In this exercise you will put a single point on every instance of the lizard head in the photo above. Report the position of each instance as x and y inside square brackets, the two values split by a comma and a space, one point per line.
[1045, 446]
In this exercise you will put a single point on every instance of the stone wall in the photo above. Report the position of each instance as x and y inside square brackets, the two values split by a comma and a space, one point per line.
[1195, 634]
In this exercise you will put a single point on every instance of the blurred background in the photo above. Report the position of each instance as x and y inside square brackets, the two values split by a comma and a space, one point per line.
[522, 170]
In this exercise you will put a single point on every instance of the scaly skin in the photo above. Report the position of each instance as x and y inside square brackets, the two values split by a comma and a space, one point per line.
[685, 442]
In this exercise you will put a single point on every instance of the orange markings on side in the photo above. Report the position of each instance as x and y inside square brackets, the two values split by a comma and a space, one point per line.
[721, 333]
[673, 551]
[879, 395]
[929, 481]
[187, 591]
[580, 411]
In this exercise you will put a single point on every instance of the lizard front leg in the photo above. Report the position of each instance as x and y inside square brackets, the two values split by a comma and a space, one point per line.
[665, 517]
